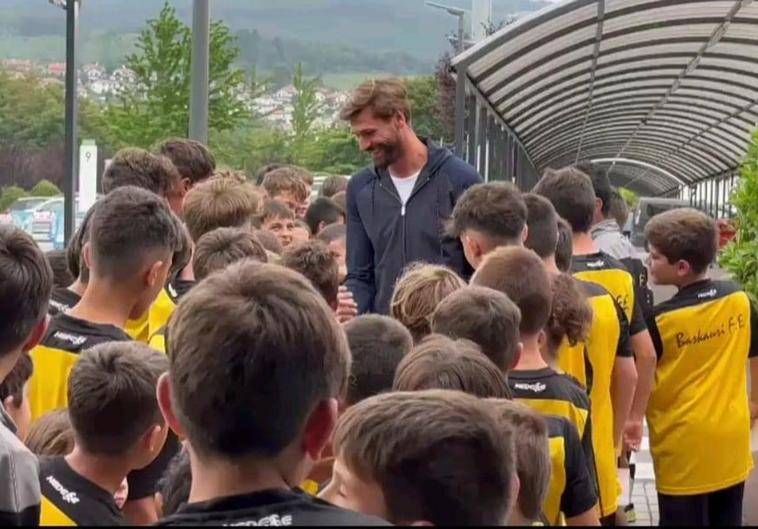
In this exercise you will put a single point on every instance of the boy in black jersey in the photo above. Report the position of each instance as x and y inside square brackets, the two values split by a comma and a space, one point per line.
[117, 428]
[257, 412]
[699, 413]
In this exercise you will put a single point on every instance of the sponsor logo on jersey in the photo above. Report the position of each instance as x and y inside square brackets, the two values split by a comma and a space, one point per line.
[537, 387]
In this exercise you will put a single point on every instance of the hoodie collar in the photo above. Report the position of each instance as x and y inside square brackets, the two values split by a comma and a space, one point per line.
[436, 157]
[605, 226]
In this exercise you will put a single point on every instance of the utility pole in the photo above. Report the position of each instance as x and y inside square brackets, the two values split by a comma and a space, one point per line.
[481, 19]
[200, 74]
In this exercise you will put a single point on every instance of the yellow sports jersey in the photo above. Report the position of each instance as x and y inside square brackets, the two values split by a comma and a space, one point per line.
[138, 329]
[165, 304]
[158, 340]
[572, 489]
[54, 357]
[699, 415]
[592, 363]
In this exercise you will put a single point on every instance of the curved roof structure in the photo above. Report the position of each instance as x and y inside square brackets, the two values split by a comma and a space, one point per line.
[671, 86]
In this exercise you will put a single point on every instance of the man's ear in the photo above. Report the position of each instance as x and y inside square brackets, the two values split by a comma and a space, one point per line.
[166, 405]
[37, 334]
[319, 428]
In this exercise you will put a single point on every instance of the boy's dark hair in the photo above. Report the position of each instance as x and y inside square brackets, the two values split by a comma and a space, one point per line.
[333, 232]
[618, 209]
[519, 274]
[266, 169]
[13, 385]
[285, 180]
[112, 396]
[486, 317]
[377, 344]
[439, 362]
[76, 264]
[269, 241]
[139, 168]
[51, 434]
[315, 261]
[438, 456]
[26, 283]
[323, 210]
[219, 203]
[600, 183]
[564, 249]
[183, 249]
[495, 209]
[128, 225]
[542, 222]
[278, 333]
[191, 158]
[276, 209]
[684, 234]
[58, 261]
[223, 246]
[340, 199]
[174, 485]
[570, 314]
[302, 224]
[572, 195]
[332, 185]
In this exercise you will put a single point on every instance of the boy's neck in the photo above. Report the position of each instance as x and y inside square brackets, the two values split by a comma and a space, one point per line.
[104, 304]
[550, 265]
[187, 273]
[78, 287]
[106, 472]
[531, 358]
[518, 520]
[691, 280]
[583, 244]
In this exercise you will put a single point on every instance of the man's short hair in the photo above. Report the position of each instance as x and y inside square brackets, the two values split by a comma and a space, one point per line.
[564, 249]
[269, 241]
[315, 261]
[486, 317]
[384, 97]
[26, 283]
[377, 344]
[618, 209]
[570, 314]
[418, 292]
[323, 210]
[542, 222]
[13, 385]
[439, 362]
[519, 274]
[531, 443]
[276, 209]
[139, 168]
[285, 180]
[495, 209]
[279, 336]
[51, 434]
[332, 185]
[572, 195]
[58, 261]
[130, 224]
[332, 233]
[219, 203]
[191, 158]
[438, 456]
[684, 234]
[112, 396]
[222, 247]
[600, 183]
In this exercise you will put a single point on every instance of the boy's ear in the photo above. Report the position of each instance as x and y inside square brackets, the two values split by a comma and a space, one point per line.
[155, 438]
[319, 428]
[37, 334]
[524, 234]
[683, 268]
[9, 403]
[516, 356]
[166, 405]
[87, 254]
[155, 273]
[321, 226]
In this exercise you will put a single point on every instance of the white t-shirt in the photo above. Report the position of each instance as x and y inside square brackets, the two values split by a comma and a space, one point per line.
[404, 186]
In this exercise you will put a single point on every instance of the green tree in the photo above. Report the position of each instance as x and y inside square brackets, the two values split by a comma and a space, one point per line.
[423, 93]
[45, 188]
[306, 106]
[630, 197]
[157, 104]
[31, 112]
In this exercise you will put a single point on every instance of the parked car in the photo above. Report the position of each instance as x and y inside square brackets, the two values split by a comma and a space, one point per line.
[21, 212]
[47, 227]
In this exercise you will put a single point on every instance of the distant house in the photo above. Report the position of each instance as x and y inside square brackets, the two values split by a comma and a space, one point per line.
[93, 72]
[57, 69]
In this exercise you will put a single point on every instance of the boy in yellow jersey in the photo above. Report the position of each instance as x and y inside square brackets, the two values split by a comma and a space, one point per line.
[117, 428]
[699, 413]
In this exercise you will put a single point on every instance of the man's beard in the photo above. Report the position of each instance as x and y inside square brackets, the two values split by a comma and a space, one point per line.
[389, 154]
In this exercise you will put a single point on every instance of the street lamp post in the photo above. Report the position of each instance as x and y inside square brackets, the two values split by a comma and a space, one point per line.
[200, 75]
[460, 45]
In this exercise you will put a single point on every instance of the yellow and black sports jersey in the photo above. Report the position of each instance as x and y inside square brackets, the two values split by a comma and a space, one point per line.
[572, 489]
[610, 273]
[158, 340]
[138, 329]
[165, 304]
[62, 300]
[54, 357]
[592, 363]
[699, 416]
[69, 499]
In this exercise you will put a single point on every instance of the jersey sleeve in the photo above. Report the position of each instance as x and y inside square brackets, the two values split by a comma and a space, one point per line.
[753, 353]
[580, 494]
[637, 325]
[623, 348]
[655, 335]
[589, 453]
[143, 482]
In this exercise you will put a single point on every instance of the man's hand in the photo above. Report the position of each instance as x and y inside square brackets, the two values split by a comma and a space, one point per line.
[633, 431]
[347, 309]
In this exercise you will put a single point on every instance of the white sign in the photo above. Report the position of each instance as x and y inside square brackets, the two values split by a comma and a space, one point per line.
[87, 176]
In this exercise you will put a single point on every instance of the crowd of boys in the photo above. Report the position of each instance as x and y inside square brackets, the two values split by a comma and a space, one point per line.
[194, 358]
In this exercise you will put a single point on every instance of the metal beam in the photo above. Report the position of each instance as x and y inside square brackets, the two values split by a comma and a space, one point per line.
[460, 112]
[200, 74]
[70, 150]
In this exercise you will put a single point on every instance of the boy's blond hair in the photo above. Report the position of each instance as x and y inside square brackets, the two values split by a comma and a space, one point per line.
[286, 180]
[219, 203]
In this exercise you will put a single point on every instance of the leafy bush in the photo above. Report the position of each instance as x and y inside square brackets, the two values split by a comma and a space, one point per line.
[10, 195]
[630, 197]
[45, 188]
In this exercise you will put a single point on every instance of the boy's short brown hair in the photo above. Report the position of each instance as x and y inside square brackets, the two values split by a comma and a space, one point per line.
[332, 185]
[112, 396]
[221, 247]
[323, 210]
[618, 209]
[51, 434]
[486, 317]
[418, 292]
[315, 261]
[140, 168]
[519, 274]
[438, 456]
[219, 203]
[285, 180]
[684, 234]
[266, 169]
[495, 209]
[340, 199]
[13, 385]
[279, 335]
[377, 344]
[191, 158]
[129, 225]
[276, 209]
[26, 283]
[269, 241]
[570, 313]
[76, 264]
[385, 97]
[564, 249]
[332, 233]
[58, 261]
[531, 443]
[183, 249]
[571, 193]
[439, 362]
[542, 223]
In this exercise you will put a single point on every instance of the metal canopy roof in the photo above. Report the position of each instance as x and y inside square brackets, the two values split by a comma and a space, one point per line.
[670, 83]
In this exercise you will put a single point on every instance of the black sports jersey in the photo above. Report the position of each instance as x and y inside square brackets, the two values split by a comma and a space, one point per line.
[70, 499]
[143, 483]
[572, 488]
[270, 507]
[62, 301]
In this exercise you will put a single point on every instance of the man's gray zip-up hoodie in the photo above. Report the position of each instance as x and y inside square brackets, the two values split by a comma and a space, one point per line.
[383, 237]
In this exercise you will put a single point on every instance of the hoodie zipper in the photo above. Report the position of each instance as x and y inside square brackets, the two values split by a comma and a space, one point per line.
[402, 210]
